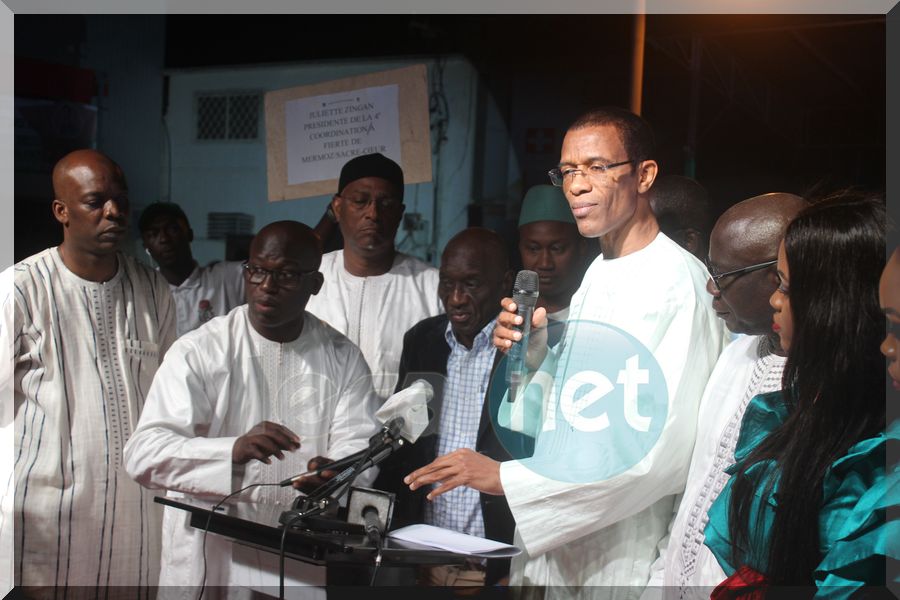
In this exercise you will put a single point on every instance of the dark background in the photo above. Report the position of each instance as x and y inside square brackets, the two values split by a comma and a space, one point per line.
[780, 102]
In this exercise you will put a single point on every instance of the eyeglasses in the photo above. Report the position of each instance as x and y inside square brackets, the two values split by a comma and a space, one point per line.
[361, 203]
[596, 172]
[736, 273]
[285, 279]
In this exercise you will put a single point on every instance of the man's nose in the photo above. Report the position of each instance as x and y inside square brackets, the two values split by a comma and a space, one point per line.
[579, 184]
[457, 296]
[545, 261]
[268, 282]
[372, 210]
[115, 210]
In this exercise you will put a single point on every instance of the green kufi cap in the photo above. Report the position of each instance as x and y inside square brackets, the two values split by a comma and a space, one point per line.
[545, 203]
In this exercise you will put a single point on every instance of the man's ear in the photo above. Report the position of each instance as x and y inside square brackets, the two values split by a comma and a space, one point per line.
[60, 211]
[317, 280]
[337, 206]
[692, 240]
[190, 235]
[647, 171]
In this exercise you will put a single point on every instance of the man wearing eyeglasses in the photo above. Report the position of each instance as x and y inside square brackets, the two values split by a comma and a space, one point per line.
[742, 251]
[252, 397]
[605, 533]
[372, 293]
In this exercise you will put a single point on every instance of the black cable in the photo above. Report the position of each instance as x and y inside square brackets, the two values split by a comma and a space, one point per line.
[378, 548]
[287, 525]
[209, 521]
[296, 517]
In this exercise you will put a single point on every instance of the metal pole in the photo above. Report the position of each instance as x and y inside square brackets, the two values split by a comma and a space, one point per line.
[690, 162]
[637, 61]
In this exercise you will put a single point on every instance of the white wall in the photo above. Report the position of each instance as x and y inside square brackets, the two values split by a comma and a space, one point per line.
[230, 176]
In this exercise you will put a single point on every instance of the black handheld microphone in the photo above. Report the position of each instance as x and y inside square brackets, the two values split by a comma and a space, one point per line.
[388, 433]
[372, 524]
[525, 295]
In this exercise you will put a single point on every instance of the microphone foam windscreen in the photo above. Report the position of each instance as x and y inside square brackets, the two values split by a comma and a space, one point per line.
[526, 287]
[362, 497]
[411, 404]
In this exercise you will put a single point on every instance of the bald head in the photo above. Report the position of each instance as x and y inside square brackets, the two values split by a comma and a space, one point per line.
[474, 277]
[282, 273]
[758, 224]
[91, 203]
[483, 241]
[290, 240]
[746, 235]
[73, 165]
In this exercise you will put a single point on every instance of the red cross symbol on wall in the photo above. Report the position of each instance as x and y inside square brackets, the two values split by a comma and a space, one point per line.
[540, 140]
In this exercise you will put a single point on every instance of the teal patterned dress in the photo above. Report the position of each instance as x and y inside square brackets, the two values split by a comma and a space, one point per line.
[856, 540]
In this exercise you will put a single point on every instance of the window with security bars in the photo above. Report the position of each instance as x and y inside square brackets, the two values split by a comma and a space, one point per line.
[228, 116]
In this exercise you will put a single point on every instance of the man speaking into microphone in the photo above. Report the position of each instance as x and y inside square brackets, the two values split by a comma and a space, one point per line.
[250, 397]
[601, 533]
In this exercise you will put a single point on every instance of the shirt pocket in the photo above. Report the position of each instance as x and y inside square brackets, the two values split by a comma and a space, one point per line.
[142, 361]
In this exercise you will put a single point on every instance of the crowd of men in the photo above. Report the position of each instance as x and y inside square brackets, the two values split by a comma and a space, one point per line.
[195, 382]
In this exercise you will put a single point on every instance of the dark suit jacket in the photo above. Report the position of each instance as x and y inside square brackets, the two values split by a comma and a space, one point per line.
[425, 354]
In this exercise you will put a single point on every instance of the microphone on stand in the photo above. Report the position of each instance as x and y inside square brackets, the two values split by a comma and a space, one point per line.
[404, 416]
[525, 295]
[373, 510]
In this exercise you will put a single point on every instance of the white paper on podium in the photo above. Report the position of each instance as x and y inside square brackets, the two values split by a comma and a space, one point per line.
[453, 541]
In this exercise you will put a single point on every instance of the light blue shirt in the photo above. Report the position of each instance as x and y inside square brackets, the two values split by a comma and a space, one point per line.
[468, 375]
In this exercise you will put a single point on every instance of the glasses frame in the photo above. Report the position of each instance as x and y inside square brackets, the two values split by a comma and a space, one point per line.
[392, 204]
[557, 178]
[737, 272]
[274, 274]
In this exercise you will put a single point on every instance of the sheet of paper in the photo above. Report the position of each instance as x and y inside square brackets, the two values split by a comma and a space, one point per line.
[445, 539]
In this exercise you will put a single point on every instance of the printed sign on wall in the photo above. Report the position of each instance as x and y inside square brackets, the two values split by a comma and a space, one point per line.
[311, 131]
[327, 131]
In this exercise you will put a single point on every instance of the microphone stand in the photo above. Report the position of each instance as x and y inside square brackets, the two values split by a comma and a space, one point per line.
[328, 494]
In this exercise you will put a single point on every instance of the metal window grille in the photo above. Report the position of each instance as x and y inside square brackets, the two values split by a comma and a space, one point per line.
[219, 225]
[228, 116]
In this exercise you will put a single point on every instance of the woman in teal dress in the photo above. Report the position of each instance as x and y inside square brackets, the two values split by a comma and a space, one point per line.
[805, 505]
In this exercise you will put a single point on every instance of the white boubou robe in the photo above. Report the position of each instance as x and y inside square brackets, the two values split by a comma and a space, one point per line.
[686, 567]
[606, 533]
[216, 383]
[80, 357]
[375, 312]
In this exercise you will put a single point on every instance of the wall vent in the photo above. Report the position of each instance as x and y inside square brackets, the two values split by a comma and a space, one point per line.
[219, 225]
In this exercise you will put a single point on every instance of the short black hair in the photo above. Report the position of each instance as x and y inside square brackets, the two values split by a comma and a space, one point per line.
[160, 209]
[637, 135]
[680, 203]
